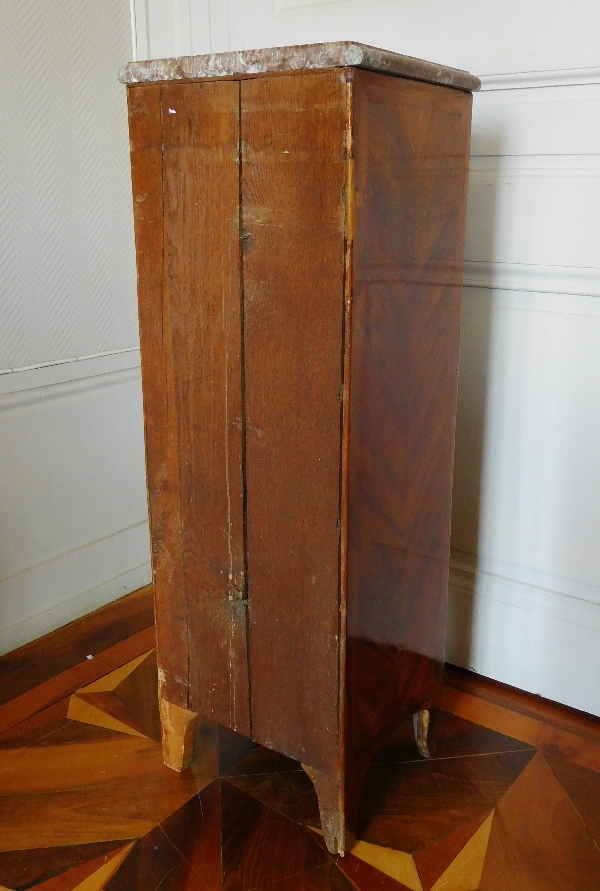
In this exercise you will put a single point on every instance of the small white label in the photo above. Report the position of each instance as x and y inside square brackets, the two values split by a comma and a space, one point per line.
[172, 111]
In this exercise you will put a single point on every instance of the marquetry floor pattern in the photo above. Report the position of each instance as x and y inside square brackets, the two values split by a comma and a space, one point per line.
[509, 802]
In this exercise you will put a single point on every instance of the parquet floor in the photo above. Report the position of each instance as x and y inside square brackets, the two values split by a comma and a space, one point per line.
[510, 802]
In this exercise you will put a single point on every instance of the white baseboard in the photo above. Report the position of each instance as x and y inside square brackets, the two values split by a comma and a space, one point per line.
[73, 510]
[61, 611]
[540, 639]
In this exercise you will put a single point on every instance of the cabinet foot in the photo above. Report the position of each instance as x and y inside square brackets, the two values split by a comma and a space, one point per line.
[178, 730]
[421, 727]
[330, 793]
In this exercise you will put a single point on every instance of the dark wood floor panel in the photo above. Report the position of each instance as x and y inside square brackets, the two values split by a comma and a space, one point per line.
[409, 806]
[42, 660]
[538, 840]
[583, 788]
[452, 737]
[37, 698]
[508, 803]
[261, 846]
[528, 728]
[434, 860]
[25, 869]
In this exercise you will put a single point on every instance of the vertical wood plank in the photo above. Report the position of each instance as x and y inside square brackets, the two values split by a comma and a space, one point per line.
[160, 420]
[293, 176]
[411, 162]
[202, 310]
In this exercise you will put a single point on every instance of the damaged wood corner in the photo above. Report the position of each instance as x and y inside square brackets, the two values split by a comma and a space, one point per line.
[178, 733]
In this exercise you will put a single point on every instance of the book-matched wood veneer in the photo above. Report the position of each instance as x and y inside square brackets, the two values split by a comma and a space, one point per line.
[299, 238]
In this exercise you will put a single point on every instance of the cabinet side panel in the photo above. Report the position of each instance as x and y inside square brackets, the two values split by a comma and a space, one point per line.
[202, 315]
[160, 420]
[293, 173]
[411, 163]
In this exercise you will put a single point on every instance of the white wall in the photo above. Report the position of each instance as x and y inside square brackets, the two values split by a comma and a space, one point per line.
[73, 518]
[525, 581]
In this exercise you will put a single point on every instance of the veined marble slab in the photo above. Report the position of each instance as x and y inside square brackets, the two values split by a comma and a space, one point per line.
[295, 58]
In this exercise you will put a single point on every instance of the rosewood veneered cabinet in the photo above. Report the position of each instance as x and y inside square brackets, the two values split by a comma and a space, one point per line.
[299, 218]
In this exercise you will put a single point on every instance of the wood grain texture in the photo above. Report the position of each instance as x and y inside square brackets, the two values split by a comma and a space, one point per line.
[91, 876]
[520, 702]
[535, 732]
[183, 853]
[55, 653]
[160, 419]
[410, 157]
[538, 840]
[200, 131]
[54, 689]
[178, 734]
[434, 860]
[189, 287]
[309, 383]
[23, 869]
[104, 710]
[263, 849]
[293, 175]
[454, 738]
[100, 779]
[406, 806]
[465, 870]
[66, 785]
[583, 788]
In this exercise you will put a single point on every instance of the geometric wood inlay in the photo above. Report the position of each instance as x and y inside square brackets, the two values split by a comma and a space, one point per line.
[464, 873]
[73, 797]
[538, 840]
[434, 860]
[111, 681]
[101, 711]
[91, 876]
[395, 864]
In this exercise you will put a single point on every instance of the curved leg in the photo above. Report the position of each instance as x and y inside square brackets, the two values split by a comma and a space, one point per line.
[421, 727]
[330, 792]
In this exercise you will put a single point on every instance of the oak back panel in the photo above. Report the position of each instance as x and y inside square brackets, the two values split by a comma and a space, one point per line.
[293, 174]
[190, 309]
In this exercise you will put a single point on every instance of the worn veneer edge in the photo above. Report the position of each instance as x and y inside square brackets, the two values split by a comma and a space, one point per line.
[296, 58]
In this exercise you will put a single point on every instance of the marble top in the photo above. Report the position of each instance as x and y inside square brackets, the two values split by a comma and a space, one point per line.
[295, 58]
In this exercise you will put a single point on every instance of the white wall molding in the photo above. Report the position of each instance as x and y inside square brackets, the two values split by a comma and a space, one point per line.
[549, 167]
[526, 80]
[539, 639]
[73, 513]
[573, 281]
[165, 28]
[15, 380]
[466, 577]
[83, 387]
[71, 585]
[140, 25]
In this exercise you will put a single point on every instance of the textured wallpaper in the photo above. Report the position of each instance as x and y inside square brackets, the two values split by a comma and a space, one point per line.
[67, 265]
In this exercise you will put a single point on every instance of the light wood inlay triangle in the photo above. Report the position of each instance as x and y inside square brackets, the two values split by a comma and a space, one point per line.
[395, 864]
[111, 681]
[101, 712]
[98, 879]
[464, 873]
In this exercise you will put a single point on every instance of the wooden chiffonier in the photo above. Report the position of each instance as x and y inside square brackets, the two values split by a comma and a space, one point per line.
[299, 218]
